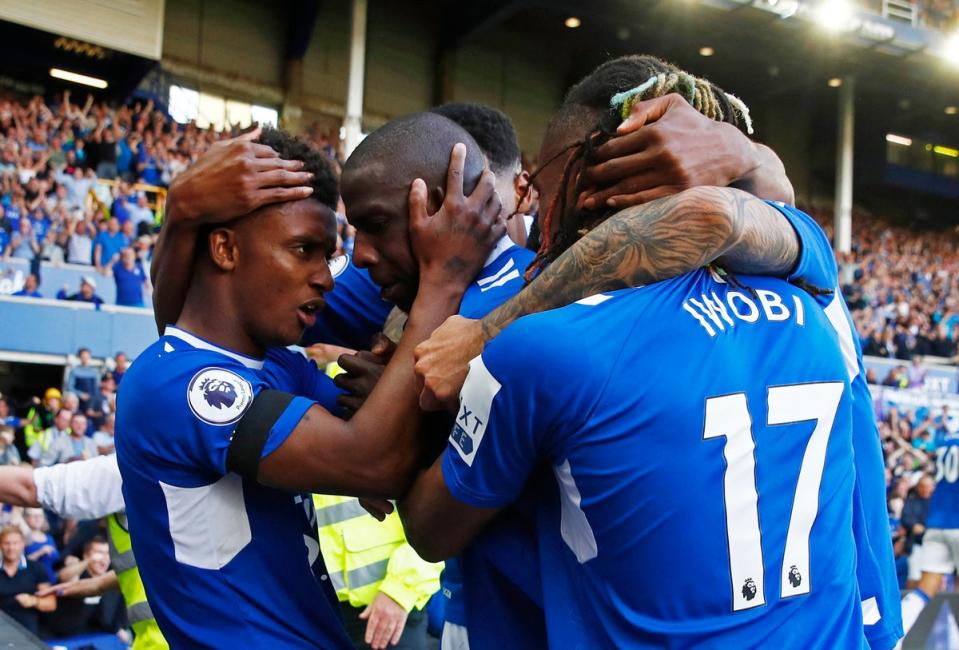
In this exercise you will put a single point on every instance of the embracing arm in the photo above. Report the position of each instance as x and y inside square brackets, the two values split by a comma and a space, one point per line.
[233, 178]
[767, 179]
[656, 241]
[637, 246]
[375, 452]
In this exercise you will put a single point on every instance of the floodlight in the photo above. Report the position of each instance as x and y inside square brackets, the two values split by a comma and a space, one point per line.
[76, 78]
[573, 22]
[706, 51]
[898, 139]
[835, 82]
[950, 50]
[834, 15]
[946, 151]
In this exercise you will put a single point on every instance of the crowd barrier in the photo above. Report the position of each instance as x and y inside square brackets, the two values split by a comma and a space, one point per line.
[940, 377]
[41, 326]
[53, 277]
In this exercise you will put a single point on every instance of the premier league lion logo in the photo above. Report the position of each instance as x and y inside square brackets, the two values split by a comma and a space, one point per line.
[218, 393]
[795, 578]
[219, 396]
[749, 589]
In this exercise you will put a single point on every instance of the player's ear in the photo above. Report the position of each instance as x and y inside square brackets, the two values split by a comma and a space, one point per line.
[223, 248]
[525, 192]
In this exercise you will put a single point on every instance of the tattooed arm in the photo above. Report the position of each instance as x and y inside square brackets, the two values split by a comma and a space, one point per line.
[656, 241]
[637, 246]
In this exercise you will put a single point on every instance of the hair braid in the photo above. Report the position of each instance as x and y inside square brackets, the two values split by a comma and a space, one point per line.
[612, 89]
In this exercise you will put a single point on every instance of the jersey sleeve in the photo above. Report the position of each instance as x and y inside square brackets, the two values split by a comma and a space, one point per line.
[817, 263]
[295, 373]
[507, 417]
[220, 399]
[87, 489]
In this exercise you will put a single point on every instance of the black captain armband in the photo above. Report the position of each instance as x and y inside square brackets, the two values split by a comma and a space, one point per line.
[252, 431]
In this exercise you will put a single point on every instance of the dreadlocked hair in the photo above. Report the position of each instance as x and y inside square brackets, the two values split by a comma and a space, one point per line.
[597, 105]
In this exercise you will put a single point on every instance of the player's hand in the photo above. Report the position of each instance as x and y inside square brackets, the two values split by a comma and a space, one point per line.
[442, 362]
[74, 588]
[362, 371]
[27, 601]
[664, 147]
[385, 622]
[324, 353]
[235, 177]
[452, 244]
[378, 508]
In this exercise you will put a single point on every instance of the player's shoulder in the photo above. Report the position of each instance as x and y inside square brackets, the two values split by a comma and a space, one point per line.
[217, 384]
[500, 279]
[549, 338]
[287, 368]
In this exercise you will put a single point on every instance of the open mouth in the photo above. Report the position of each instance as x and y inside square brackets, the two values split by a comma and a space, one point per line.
[308, 310]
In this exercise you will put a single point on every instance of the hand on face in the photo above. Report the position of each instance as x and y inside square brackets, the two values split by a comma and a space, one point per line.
[452, 244]
[664, 147]
[235, 177]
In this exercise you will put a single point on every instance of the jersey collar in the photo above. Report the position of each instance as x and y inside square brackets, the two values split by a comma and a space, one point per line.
[504, 244]
[197, 342]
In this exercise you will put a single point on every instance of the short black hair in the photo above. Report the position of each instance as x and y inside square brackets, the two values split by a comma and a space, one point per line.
[419, 146]
[491, 128]
[96, 539]
[325, 183]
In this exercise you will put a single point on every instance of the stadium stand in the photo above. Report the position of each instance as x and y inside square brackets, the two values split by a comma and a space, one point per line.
[83, 183]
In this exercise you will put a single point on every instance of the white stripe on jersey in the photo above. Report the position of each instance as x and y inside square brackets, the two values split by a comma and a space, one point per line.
[592, 301]
[496, 276]
[837, 316]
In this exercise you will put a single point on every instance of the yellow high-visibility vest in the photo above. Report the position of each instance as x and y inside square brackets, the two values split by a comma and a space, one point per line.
[148, 635]
[364, 556]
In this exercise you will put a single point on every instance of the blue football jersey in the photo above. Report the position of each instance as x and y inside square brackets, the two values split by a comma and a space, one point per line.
[876, 566]
[944, 505]
[354, 310]
[702, 462]
[224, 560]
[492, 588]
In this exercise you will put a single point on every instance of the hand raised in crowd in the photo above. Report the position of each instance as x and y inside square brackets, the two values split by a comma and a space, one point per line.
[27, 601]
[92, 586]
[665, 147]
[442, 362]
[235, 177]
[385, 619]
[362, 370]
[452, 244]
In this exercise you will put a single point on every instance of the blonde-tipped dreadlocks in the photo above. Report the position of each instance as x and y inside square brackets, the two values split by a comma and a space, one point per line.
[612, 89]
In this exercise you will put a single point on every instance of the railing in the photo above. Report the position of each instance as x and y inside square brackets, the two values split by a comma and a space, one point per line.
[901, 10]
[41, 326]
[156, 197]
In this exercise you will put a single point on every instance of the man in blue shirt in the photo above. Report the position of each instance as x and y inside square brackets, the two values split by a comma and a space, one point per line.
[130, 278]
[217, 425]
[30, 287]
[683, 505]
[636, 247]
[940, 544]
[108, 244]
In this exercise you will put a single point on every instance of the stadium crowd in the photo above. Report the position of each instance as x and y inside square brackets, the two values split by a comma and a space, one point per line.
[82, 184]
[66, 424]
[902, 287]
